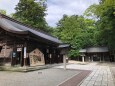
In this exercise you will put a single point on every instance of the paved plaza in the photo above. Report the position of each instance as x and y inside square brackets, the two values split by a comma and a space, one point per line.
[100, 76]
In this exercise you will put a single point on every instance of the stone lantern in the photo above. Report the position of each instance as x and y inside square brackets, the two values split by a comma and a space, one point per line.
[82, 54]
[64, 48]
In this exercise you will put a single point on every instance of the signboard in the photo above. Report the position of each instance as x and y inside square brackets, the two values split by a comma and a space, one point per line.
[36, 58]
[14, 54]
[19, 49]
[24, 52]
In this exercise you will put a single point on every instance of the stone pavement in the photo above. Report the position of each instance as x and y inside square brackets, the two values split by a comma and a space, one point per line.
[100, 76]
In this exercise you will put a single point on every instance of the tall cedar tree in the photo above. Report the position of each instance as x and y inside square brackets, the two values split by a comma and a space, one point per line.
[31, 12]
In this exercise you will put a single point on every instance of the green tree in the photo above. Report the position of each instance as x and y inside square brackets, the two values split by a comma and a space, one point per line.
[97, 10]
[77, 31]
[31, 12]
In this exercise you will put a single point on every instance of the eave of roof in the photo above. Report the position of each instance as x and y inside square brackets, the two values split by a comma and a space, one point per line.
[94, 50]
[97, 49]
[64, 46]
[82, 50]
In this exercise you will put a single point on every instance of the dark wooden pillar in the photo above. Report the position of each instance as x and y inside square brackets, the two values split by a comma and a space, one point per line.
[21, 57]
[13, 61]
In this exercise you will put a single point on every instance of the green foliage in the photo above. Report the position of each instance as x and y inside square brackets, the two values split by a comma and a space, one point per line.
[31, 12]
[105, 12]
[107, 26]
[77, 31]
[2, 11]
[91, 11]
[50, 30]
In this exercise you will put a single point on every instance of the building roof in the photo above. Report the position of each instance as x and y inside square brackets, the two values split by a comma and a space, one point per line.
[64, 46]
[94, 50]
[97, 49]
[17, 27]
[82, 50]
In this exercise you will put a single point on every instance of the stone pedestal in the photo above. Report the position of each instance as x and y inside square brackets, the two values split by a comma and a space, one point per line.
[64, 61]
[83, 59]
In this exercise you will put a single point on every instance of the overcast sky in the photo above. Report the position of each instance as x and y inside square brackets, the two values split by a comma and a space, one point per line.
[56, 8]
